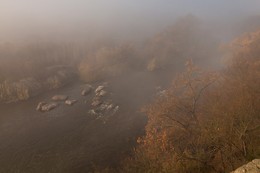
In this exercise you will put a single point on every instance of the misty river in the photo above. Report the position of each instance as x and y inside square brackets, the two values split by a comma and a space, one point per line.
[65, 139]
[68, 139]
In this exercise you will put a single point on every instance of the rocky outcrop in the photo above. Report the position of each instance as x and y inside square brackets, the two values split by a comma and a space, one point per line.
[251, 167]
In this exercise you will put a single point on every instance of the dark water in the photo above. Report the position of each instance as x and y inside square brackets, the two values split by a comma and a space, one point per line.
[66, 139]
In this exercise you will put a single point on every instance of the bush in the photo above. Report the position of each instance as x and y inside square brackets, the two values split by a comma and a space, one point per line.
[21, 90]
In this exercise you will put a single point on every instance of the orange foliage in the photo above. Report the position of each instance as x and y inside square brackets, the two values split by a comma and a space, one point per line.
[208, 122]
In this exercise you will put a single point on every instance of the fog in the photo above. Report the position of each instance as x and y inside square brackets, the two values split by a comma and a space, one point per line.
[38, 19]
[77, 75]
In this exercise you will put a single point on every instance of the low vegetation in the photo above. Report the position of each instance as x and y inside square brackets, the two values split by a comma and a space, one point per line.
[27, 70]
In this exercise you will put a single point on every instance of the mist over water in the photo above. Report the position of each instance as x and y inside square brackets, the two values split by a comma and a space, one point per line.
[107, 59]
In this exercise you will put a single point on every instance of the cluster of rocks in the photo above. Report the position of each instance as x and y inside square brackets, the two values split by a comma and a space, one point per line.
[102, 105]
[45, 107]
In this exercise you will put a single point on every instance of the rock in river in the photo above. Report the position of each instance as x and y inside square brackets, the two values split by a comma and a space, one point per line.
[85, 92]
[93, 112]
[99, 88]
[45, 107]
[59, 98]
[87, 89]
[70, 102]
[39, 106]
[115, 109]
[96, 102]
[101, 93]
[49, 106]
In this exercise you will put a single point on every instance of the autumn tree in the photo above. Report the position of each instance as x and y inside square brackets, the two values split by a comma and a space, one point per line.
[207, 122]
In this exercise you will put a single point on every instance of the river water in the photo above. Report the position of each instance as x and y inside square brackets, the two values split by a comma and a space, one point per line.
[66, 139]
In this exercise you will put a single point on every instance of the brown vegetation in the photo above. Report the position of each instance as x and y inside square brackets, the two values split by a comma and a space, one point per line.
[207, 122]
[27, 70]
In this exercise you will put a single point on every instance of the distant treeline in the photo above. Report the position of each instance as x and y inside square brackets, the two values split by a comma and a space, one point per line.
[25, 69]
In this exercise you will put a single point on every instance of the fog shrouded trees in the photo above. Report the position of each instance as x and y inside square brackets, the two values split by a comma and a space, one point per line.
[178, 43]
[30, 68]
[102, 59]
[108, 61]
[207, 122]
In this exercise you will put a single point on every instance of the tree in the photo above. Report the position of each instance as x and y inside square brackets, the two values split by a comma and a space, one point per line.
[207, 122]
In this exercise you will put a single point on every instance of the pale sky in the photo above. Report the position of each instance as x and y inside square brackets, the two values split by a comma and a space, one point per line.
[100, 9]
[74, 15]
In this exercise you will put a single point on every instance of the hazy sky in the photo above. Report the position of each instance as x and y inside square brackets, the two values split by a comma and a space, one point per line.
[20, 16]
